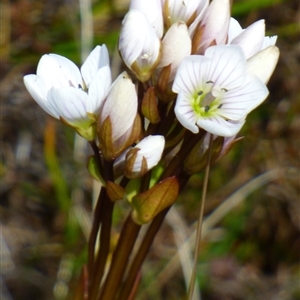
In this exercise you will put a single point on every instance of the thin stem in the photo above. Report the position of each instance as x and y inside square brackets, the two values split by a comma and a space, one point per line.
[95, 228]
[141, 255]
[200, 221]
[173, 168]
[120, 258]
[104, 247]
[97, 157]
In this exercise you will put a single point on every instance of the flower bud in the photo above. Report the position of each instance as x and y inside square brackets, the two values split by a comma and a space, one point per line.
[263, 63]
[148, 204]
[152, 10]
[118, 125]
[181, 10]
[176, 45]
[211, 28]
[144, 156]
[197, 159]
[139, 45]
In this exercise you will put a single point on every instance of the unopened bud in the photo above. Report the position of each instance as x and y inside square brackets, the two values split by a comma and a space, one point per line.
[144, 156]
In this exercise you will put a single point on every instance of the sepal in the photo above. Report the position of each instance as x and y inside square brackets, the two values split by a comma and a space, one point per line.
[149, 106]
[94, 170]
[114, 191]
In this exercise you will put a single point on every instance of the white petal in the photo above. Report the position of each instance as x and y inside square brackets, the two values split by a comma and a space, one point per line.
[219, 126]
[237, 103]
[216, 22]
[139, 45]
[69, 103]
[58, 71]
[97, 59]
[234, 29]
[269, 41]
[176, 45]
[132, 36]
[227, 67]
[191, 75]
[263, 63]
[120, 105]
[185, 113]
[98, 89]
[151, 148]
[251, 39]
[152, 10]
[38, 90]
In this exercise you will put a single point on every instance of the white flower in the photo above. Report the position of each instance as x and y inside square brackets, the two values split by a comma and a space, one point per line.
[144, 156]
[252, 39]
[263, 63]
[211, 26]
[65, 93]
[152, 11]
[215, 92]
[117, 117]
[139, 45]
[181, 10]
[175, 46]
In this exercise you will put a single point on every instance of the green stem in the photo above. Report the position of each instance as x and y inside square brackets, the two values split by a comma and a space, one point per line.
[120, 259]
[200, 221]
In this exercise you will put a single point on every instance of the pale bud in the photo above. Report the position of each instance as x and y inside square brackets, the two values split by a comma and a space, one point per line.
[212, 28]
[152, 10]
[176, 45]
[144, 156]
[181, 10]
[117, 117]
[263, 63]
[139, 45]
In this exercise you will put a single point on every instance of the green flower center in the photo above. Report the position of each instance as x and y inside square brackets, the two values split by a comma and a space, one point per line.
[207, 100]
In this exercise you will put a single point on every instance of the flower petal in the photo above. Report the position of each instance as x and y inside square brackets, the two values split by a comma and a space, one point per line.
[139, 45]
[234, 29]
[251, 39]
[263, 63]
[151, 147]
[216, 22]
[227, 66]
[97, 59]
[98, 89]
[176, 45]
[152, 10]
[237, 103]
[185, 113]
[120, 105]
[219, 126]
[191, 74]
[38, 91]
[58, 71]
[69, 103]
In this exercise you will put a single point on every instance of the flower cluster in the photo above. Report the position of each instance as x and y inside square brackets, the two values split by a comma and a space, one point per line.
[197, 69]
[196, 76]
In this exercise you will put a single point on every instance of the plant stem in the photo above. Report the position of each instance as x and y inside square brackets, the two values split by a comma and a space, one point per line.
[106, 216]
[200, 221]
[95, 228]
[120, 258]
[141, 255]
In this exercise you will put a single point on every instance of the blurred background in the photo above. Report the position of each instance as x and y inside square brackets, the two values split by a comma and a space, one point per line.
[251, 245]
